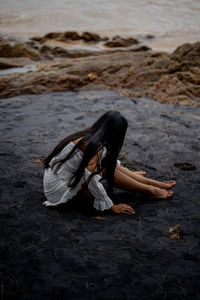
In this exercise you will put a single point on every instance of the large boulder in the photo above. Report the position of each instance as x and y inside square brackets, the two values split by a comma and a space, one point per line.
[70, 36]
[188, 53]
[117, 41]
[7, 63]
[91, 37]
[17, 49]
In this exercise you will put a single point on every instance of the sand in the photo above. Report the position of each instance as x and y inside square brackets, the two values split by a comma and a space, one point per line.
[74, 252]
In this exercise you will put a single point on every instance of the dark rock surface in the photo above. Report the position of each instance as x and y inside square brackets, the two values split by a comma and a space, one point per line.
[75, 252]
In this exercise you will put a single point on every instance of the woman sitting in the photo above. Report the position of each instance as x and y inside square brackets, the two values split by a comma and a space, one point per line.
[86, 157]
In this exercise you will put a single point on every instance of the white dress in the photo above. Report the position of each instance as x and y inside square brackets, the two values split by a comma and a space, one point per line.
[56, 187]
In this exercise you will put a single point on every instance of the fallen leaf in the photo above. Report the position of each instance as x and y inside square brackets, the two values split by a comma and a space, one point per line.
[123, 154]
[98, 218]
[177, 227]
[35, 141]
[92, 76]
[37, 161]
[174, 232]
[196, 117]
[175, 236]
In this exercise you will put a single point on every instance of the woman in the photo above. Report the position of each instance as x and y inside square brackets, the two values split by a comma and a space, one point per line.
[84, 158]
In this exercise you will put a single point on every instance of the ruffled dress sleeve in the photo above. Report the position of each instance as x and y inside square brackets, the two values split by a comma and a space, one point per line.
[96, 188]
[118, 162]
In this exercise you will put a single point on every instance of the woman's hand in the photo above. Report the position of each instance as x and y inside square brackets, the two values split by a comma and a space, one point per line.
[122, 209]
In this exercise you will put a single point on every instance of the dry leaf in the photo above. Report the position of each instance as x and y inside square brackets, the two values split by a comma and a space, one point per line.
[37, 161]
[177, 227]
[174, 228]
[92, 76]
[123, 154]
[98, 218]
[196, 117]
[35, 141]
[175, 232]
[175, 236]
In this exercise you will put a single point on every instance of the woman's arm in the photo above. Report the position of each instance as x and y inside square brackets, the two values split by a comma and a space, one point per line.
[102, 201]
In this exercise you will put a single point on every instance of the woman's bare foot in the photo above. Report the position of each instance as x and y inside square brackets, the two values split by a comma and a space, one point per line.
[160, 193]
[162, 185]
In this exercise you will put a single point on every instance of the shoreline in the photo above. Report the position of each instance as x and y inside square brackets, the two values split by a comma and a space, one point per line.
[158, 43]
[64, 61]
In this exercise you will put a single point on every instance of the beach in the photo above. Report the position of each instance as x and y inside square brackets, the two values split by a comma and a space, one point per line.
[62, 65]
[74, 252]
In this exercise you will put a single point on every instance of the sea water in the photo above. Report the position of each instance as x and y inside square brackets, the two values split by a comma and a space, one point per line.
[172, 22]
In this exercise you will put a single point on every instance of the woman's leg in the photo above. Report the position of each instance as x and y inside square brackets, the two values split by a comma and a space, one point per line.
[141, 173]
[125, 182]
[142, 179]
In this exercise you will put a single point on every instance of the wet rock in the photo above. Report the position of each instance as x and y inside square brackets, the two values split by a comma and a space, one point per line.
[188, 77]
[161, 63]
[175, 67]
[129, 93]
[59, 52]
[90, 37]
[33, 44]
[117, 41]
[141, 48]
[179, 99]
[6, 63]
[36, 38]
[137, 72]
[17, 50]
[71, 35]
[59, 36]
[50, 36]
[46, 51]
[189, 53]
[185, 166]
[150, 36]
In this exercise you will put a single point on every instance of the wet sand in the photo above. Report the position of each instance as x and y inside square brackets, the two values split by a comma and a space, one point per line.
[75, 252]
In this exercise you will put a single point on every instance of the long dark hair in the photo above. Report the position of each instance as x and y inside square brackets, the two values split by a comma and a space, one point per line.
[108, 131]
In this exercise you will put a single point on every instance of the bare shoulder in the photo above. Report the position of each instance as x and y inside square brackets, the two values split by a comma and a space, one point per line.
[83, 146]
[76, 141]
[92, 165]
